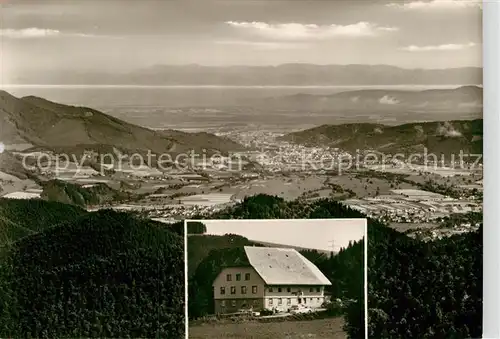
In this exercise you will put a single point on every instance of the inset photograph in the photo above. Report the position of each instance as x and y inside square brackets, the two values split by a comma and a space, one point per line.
[279, 278]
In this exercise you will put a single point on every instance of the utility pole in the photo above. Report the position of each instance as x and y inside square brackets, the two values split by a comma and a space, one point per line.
[332, 242]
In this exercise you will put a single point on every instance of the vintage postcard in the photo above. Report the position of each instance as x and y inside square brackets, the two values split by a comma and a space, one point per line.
[121, 119]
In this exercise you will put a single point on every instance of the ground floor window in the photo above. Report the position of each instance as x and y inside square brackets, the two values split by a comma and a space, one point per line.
[270, 302]
[223, 303]
[289, 301]
[280, 301]
[233, 303]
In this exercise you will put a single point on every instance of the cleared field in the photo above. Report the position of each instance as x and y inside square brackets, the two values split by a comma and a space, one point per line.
[442, 171]
[418, 194]
[330, 328]
[207, 199]
[18, 147]
[366, 186]
[22, 195]
[8, 177]
[414, 168]
[403, 227]
[287, 188]
[12, 185]
[138, 171]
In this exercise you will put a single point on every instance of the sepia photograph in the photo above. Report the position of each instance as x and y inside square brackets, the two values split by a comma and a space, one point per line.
[274, 278]
[121, 119]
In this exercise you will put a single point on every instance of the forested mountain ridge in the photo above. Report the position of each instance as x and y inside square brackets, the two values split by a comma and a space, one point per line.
[73, 129]
[448, 137]
[20, 218]
[88, 273]
[69, 193]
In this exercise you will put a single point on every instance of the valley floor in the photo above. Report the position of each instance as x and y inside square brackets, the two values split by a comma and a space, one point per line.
[330, 328]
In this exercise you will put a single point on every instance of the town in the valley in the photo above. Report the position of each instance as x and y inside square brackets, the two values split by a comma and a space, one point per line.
[417, 198]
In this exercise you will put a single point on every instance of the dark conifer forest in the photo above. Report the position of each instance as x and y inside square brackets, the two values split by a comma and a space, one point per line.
[102, 274]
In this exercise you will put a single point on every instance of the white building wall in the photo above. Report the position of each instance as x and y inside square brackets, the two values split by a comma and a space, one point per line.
[221, 281]
[293, 295]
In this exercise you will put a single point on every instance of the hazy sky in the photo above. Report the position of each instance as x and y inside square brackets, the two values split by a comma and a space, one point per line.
[317, 234]
[125, 35]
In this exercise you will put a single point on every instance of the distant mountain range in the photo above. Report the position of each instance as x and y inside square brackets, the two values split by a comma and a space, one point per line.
[281, 75]
[60, 127]
[448, 137]
[463, 99]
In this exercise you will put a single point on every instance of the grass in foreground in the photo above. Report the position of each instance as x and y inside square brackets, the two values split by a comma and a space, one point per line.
[330, 328]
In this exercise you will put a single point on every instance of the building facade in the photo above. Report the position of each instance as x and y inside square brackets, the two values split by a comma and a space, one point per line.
[276, 279]
[238, 288]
